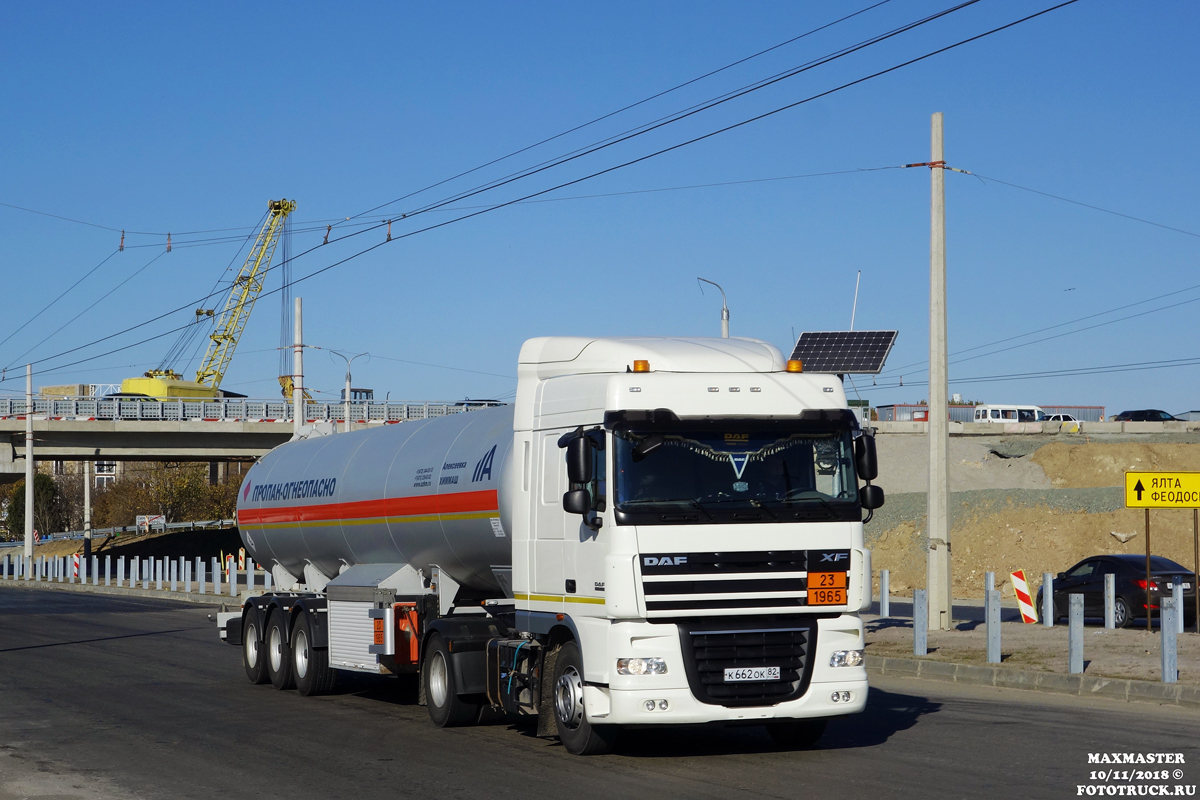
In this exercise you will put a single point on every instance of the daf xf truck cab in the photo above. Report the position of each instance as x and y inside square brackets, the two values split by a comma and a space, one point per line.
[659, 531]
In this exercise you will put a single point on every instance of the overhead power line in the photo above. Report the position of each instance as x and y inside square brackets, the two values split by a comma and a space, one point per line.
[1137, 366]
[595, 174]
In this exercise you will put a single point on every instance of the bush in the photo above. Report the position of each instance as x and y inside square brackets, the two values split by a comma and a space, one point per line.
[49, 507]
[180, 492]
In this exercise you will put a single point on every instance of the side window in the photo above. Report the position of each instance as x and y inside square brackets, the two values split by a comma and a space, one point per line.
[1010, 413]
[995, 413]
[1084, 570]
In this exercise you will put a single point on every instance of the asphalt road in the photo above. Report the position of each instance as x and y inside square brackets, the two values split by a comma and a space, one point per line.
[106, 697]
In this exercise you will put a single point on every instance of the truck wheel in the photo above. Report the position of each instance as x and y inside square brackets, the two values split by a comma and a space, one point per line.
[446, 709]
[278, 655]
[797, 733]
[310, 665]
[254, 658]
[577, 735]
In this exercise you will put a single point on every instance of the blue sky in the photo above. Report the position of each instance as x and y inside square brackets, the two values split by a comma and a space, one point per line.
[190, 117]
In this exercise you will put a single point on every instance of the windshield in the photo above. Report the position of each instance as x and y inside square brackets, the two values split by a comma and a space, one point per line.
[734, 475]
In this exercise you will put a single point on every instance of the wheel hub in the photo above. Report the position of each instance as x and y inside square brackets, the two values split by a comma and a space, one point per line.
[568, 698]
[439, 681]
[275, 648]
[250, 644]
[300, 649]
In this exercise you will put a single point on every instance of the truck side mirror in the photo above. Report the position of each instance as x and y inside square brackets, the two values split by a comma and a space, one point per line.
[579, 460]
[871, 497]
[865, 459]
[577, 501]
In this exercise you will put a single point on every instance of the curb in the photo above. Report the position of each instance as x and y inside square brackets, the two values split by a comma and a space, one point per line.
[1185, 695]
[125, 591]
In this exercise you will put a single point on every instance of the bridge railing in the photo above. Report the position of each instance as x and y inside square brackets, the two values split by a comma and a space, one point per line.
[228, 409]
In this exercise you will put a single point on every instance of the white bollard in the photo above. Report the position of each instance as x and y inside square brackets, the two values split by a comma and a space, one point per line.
[159, 563]
[267, 581]
[6, 566]
[187, 576]
[95, 570]
[120, 571]
[233, 577]
[200, 574]
[147, 573]
[71, 568]
[1177, 594]
[1110, 601]
[885, 593]
[173, 574]
[250, 574]
[107, 570]
[216, 571]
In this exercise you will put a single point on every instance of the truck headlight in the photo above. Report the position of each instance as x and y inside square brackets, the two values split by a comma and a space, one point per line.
[846, 658]
[641, 666]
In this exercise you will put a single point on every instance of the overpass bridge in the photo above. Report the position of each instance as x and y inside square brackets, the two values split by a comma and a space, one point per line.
[144, 429]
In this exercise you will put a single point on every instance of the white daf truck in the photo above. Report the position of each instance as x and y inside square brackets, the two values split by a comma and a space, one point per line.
[659, 531]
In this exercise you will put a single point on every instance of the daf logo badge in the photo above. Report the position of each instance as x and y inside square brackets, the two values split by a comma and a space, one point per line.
[664, 561]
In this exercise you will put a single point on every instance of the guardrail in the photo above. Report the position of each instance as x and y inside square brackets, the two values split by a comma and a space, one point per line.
[228, 409]
[207, 524]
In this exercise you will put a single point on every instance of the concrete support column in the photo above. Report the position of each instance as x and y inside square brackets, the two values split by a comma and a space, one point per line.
[938, 580]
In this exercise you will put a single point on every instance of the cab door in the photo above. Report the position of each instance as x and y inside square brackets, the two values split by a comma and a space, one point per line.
[549, 527]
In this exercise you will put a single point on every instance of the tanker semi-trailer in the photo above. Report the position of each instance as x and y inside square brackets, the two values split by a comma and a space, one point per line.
[658, 531]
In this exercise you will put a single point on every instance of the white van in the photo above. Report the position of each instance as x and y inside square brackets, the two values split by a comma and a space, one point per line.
[1008, 414]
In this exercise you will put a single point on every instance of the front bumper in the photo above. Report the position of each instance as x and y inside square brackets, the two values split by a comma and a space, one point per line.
[639, 700]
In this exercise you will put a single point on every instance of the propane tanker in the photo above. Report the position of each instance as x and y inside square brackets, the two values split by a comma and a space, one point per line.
[658, 531]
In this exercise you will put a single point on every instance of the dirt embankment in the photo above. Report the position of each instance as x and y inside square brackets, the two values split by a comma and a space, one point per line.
[1085, 465]
[999, 528]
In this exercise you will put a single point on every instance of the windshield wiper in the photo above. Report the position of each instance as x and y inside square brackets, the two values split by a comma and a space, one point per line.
[815, 495]
[754, 501]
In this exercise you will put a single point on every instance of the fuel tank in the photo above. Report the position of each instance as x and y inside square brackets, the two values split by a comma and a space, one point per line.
[421, 493]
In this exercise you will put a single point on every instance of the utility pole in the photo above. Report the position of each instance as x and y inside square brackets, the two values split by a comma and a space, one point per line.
[724, 307]
[87, 517]
[938, 525]
[346, 397]
[29, 468]
[298, 410]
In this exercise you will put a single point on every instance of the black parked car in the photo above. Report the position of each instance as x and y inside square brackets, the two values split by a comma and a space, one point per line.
[1145, 415]
[1087, 578]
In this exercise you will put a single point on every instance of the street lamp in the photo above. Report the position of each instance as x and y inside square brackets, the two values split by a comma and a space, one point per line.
[724, 307]
[346, 397]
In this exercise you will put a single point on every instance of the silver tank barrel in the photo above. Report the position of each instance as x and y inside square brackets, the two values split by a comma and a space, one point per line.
[421, 493]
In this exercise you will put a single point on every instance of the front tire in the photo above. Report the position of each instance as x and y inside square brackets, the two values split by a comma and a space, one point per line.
[310, 665]
[446, 709]
[576, 733]
[254, 658]
[279, 654]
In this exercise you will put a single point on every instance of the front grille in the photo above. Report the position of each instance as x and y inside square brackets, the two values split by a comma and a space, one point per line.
[711, 648]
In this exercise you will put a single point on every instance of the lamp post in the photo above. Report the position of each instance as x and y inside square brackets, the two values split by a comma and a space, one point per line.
[346, 397]
[724, 307]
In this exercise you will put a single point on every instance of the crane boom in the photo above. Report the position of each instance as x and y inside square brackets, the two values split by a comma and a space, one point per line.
[245, 290]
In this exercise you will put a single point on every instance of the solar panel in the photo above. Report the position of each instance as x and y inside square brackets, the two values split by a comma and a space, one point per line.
[844, 352]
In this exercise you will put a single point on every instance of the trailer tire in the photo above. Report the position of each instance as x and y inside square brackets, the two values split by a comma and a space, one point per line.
[310, 665]
[797, 733]
[446, 708]
[577, 735]
[254, 657]
[278, 653]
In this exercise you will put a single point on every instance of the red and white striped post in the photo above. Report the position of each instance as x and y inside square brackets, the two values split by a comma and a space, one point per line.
[1024, 600]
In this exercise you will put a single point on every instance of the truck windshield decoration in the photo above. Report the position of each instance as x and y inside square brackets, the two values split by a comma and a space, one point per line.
[734, 476]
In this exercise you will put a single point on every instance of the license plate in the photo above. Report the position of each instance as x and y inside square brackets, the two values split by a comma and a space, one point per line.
[826, 597]
[751, 674]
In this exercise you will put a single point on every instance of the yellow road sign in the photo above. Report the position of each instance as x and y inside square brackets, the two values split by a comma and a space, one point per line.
[1162, 489]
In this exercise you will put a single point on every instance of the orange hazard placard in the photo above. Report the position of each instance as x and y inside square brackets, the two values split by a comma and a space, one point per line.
[379, 631]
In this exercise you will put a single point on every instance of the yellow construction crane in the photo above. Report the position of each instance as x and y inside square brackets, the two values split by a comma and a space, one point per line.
[245, 290]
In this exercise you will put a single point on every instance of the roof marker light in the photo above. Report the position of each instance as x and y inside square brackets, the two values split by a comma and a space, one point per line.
[795, 365]
[641, 366]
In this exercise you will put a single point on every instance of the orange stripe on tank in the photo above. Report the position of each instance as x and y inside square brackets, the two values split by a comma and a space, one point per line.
[456, 503]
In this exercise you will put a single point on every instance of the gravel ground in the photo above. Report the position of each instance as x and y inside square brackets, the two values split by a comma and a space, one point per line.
[1126, 654]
